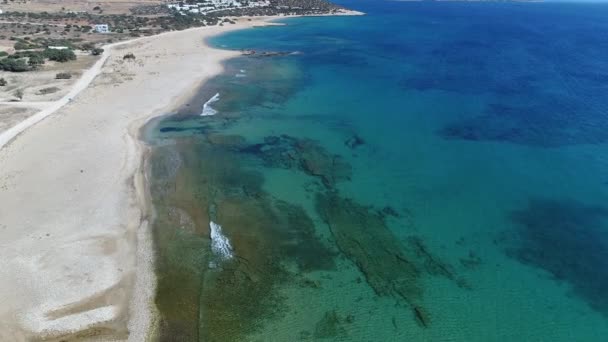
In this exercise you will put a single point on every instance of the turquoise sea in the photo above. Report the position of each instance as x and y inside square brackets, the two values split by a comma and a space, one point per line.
[431, 171]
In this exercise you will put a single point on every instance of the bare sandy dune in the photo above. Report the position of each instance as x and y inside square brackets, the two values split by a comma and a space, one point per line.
[9, 116]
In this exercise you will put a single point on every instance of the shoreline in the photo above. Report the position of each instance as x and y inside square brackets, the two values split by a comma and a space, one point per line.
[89, 75]
[49, 289]
[47, 256]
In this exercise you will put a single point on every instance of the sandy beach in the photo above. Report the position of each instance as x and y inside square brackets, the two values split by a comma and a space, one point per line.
[75, 257]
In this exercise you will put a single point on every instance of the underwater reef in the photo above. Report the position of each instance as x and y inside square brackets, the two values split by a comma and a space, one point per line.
[211, 184]
[567, 239]
[272, 243]
[390, 268]
[549, 122]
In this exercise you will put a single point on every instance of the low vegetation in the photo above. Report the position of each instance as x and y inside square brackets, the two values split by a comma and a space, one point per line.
[64, 55]
[96, 51]
[19, 94]
[26, 60]
[43, 36]
[49, 90]
[63, 76]
[14, 65]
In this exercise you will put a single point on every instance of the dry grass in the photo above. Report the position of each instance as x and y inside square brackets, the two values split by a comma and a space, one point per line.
[108, 6]
[55, 31]
[31, 83]
[9, 116]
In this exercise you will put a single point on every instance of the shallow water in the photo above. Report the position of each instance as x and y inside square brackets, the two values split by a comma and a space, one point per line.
[444, 179]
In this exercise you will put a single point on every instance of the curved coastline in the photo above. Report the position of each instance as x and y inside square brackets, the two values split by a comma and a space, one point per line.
[81, 263]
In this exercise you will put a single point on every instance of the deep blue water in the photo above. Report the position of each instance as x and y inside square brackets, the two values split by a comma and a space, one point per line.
[429, 171]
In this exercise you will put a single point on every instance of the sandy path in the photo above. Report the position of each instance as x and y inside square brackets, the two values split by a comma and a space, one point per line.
[73, 237]
[49, 108]
[84, 81]
[33, 104]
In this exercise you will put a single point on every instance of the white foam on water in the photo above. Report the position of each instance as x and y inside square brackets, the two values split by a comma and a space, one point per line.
[207, 110]
[220, 245]
[241, 73]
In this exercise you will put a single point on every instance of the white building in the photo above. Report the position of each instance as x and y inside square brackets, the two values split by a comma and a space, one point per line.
[101, 28]
[208, 6]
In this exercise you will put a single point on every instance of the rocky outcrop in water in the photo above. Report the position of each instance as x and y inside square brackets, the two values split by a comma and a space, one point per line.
[305, 154]
[273, 243]
[364, 238]
[254, 53]
[391, 269]
[354, 141]
[212, 183]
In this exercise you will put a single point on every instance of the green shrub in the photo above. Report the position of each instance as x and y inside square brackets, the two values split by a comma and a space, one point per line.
[97, 51]
[36, 60]
[60, 55]
[13, 64]
[87, 46]
[21, 45]
[63, 76]
[50, 90]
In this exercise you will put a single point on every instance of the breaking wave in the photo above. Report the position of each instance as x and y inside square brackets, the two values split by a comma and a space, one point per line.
[219, 242]
[207, 110]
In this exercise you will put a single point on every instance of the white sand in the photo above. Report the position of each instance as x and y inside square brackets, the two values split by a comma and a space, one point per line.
[76, 261]
[75, 253]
